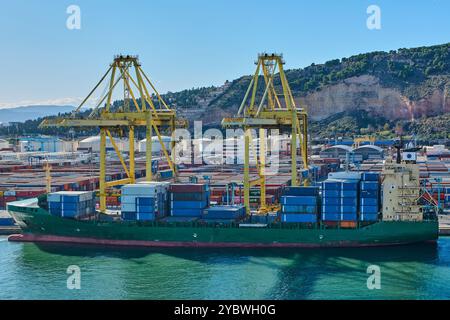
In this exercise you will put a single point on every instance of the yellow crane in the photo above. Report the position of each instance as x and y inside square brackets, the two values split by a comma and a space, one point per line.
[274, 110]
[357, 141]
[150, 112]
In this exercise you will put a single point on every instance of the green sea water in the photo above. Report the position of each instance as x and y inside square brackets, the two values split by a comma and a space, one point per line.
[28, 271]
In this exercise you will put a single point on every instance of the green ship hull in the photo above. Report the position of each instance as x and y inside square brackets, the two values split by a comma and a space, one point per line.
[39, 226]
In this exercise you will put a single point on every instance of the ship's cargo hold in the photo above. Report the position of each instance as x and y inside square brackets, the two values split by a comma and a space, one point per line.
[224, 212]
[71, 204]
[299, 218]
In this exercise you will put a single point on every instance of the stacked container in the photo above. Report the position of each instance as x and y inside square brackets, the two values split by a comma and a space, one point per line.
[369, 196]
[188, 200]
[349, 200]
[71, 204]
[299, 204]
[331, 200]
[226, 212]
[144, 201]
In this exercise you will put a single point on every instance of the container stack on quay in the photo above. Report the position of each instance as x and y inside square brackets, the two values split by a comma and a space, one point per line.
[144, 201]
[300, 204]
[188, 200]
[71, 204]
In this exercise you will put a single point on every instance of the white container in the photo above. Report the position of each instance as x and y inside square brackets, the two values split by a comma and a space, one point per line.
[128, 207]
[345, 175]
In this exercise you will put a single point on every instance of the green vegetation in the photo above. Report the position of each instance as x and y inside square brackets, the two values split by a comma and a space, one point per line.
[415, 72]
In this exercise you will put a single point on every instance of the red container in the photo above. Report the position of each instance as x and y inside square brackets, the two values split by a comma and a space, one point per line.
[9, 199]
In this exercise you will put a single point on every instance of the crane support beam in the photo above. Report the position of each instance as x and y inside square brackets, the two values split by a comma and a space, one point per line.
[268, 108]
[126, 117]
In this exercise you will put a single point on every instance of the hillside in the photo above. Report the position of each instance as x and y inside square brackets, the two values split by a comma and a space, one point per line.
[349, 94]
[21, 114]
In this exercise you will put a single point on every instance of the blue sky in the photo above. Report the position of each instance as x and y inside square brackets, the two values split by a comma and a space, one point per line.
[185, 44]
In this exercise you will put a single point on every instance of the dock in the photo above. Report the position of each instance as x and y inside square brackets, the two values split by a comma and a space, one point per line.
[444, 225]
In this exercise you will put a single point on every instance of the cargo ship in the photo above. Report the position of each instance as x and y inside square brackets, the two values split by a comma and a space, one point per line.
[379, 211]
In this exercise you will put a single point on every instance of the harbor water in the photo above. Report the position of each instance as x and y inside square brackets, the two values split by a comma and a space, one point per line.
[29, 271]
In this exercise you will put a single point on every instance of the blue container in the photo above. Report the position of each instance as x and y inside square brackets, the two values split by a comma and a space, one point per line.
[331, 193]
[189, 196]
[331, 185]
[70, 198]
[349, 209]
[331, 201]
[188, 204]
[301, 191]
[349, 193]
[6, 221]
[298, 218]
[349, 185]
[331, 216]
[349, 217]
[331, 209]
[145, 216]
[187, 212]
[129, 216]
[349, 201]
[369, 194]
[54, 205]
[224, 212]
[369, 185]
[368, 217]
[299, 209]
[145, 209]
[368, 209]
[145, 201]
[71, 205]
[369, 202]
[304, 200]
[370, 176]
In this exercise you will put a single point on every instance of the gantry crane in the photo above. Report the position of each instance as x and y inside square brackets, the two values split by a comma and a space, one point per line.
[273, 111]
[115, 120]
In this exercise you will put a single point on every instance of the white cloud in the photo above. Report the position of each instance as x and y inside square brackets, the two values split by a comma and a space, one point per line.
[57, 102]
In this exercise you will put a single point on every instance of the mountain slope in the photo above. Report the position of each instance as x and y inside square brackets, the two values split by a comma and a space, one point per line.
[21, 114]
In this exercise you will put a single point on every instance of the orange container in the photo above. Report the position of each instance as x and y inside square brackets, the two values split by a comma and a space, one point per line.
[348, 224]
